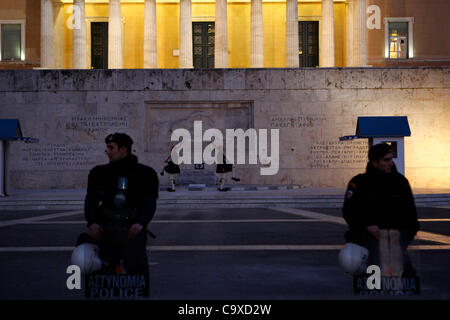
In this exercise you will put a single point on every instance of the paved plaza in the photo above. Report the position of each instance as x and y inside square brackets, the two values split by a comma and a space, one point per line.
[275, 253]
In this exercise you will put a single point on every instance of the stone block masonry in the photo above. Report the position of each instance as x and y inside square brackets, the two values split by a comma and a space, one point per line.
[71, 111]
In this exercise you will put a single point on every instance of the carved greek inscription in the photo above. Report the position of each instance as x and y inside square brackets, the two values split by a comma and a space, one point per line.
[57, 156]
[297, 121]
[96, 123]
[339, 154]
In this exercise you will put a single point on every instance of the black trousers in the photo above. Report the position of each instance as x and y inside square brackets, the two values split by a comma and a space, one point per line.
[118, 250]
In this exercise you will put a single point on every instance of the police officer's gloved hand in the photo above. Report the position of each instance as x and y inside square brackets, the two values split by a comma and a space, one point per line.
[95, 231]
[374, 231]
[134, 230]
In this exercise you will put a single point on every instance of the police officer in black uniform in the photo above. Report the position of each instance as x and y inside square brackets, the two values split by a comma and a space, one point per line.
[380, 198]
[120, 202]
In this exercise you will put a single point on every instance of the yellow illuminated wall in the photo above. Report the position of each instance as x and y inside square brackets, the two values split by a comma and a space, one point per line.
[339, 34]
[239, 46]
[274, 24]
[238, 19]
[167, 28]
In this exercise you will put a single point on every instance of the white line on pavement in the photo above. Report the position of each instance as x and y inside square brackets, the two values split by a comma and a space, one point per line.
[435, 237]
[214, 221]
[421, 235]
[223, 248]
[244, 247]
[310, 214]
[38, 218]
[191, 221]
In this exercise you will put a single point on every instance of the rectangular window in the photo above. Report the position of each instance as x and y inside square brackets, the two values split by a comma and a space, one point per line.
[11, 41]
[399, 38]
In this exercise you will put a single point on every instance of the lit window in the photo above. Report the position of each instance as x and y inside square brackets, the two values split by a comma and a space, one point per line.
[399, 38]
[12, 41]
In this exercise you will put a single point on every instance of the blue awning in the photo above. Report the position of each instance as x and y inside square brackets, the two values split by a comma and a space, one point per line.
[368, 127]
[10, 129]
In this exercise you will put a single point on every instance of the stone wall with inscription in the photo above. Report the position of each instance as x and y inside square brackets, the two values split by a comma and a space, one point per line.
[71, 112]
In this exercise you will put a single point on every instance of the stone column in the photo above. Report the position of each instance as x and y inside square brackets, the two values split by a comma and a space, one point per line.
[327, 35]
[150, 56]
[349, 33]
[79, 35]
[47, 56]
[115, 58]
[292, 59]
[257, 38]
[221, 36]
[359, 33]
[58, 34]
[186, 58]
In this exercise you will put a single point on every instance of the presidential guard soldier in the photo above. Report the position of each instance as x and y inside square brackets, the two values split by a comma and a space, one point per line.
[119, 204]
[172, 169]
[222, 169]
[380, 199]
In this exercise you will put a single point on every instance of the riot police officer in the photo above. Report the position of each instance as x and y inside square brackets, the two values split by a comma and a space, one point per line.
[380, 198]
[120, 202]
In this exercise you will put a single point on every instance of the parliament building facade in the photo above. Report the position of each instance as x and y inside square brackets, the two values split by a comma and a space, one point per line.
[170, 34]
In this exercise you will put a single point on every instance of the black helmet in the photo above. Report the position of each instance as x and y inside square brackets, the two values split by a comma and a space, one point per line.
[378, 151]
[122, 140]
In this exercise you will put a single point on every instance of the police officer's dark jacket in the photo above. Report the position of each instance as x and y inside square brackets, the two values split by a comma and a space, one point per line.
[384, 200]
[141, 192]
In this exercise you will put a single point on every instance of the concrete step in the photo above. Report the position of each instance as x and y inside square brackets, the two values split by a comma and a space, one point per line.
[215, 200]
[196, 177]
[207, 196]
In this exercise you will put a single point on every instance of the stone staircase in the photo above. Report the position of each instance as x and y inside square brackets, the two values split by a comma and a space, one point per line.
[207, 196]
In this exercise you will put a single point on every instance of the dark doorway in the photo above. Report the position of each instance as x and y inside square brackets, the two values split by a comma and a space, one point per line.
[308, 46]
[99, 45]
[203, 44]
